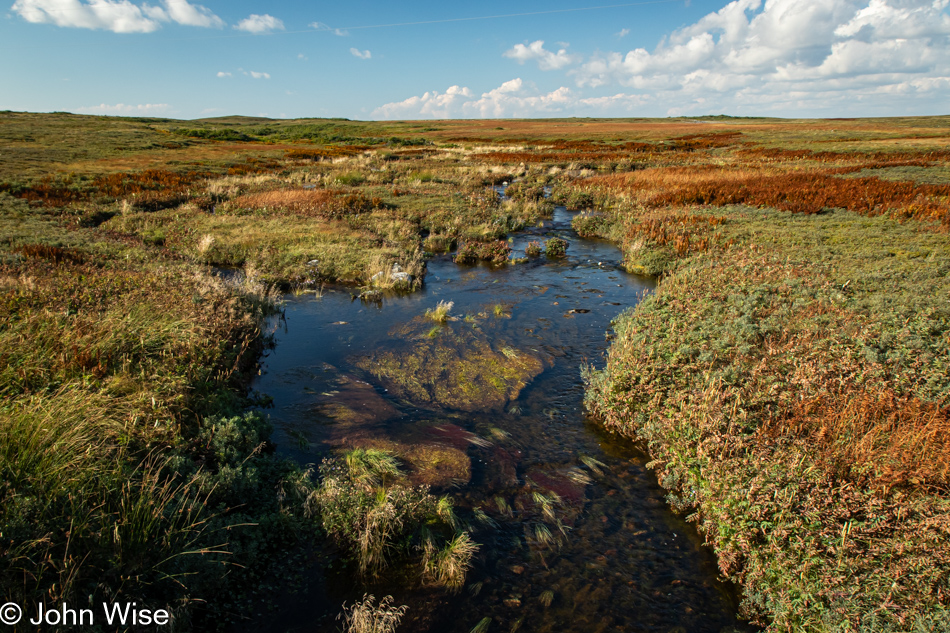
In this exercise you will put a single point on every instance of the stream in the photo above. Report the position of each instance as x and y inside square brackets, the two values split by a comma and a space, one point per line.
[491, 401]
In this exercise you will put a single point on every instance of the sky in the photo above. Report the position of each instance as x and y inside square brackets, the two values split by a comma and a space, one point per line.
[427, 60]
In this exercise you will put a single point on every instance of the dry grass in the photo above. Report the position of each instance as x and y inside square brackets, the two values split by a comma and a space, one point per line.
[798, 192]
[874, 436]
[369, 617]
[326, 203]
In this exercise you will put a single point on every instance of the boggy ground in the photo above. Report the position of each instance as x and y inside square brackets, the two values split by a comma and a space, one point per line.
[790, 376]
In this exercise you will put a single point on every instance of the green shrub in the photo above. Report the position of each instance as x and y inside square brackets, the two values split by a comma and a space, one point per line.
[470, 251]
[555, 247]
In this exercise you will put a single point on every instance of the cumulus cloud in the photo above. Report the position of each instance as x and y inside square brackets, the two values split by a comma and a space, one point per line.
[182, 12]
[221, 73]
[146, 109]
[622, 33]
[119, 16]
[511, 99]
[789, 53]
[260, 24]
[256, 75]
[361, 54]
[545, 58]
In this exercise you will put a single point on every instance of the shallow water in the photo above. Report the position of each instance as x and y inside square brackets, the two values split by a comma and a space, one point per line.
[611, 553]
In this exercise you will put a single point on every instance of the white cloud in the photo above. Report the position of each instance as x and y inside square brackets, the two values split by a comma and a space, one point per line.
[320, 26]
[545, 58]
[622, 33]
[511, 99]
[361, 54]
[302, 57]
[432, 105]
[183, 12]
[256, 75]
[791, 55]
[221, 73]
[119, 16]
[147, 109]
[260, 24]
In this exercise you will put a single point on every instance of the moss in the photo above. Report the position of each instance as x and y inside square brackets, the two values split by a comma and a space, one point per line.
[459, 369]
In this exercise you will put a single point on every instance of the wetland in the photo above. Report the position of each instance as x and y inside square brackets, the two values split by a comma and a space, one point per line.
[620, 374]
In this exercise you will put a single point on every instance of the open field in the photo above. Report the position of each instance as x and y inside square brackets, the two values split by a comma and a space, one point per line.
[790, 377]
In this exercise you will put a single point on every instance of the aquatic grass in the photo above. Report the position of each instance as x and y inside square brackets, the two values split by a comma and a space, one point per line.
[482, 518]
[446, 512]
[499, 435]
[482, 626]
[542, 535]
[546, 598]
[546, 504]
[368, 616]
[578, 476]
[441, 313]
[364, 503]
[593, 464]
[371, 467]
[447, 567]
[509, 352]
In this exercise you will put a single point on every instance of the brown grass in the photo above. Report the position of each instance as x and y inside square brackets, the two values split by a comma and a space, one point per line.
[874, 435]
[326, 203]
[798, 192]
[683, 232]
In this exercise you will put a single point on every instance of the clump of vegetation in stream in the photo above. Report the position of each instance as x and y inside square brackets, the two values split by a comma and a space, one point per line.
[367, 507]
[368, 616]
[555, 248]
[470, 252]
[440, 313]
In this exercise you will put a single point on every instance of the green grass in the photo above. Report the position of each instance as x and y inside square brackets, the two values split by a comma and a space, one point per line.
[373, 514]
[122, 448]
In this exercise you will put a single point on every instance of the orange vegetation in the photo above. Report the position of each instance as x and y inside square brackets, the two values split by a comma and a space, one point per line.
[327, 203]
[799, 192]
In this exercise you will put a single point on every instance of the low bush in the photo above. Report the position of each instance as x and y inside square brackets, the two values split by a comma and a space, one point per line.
[555, 247]
[470, 252]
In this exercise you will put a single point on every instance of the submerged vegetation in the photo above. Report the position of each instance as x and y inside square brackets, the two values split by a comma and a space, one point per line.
[790, 377]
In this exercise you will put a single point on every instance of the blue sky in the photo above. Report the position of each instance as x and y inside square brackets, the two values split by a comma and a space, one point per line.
[413, 60]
